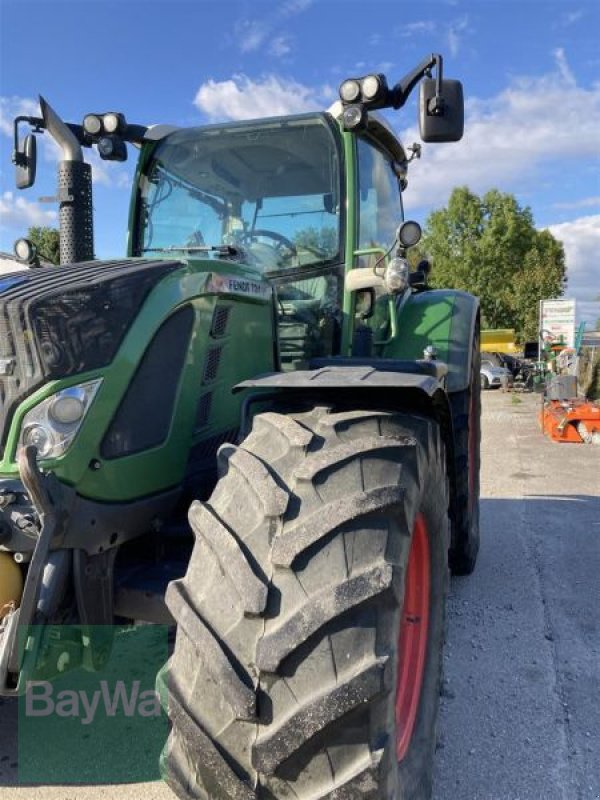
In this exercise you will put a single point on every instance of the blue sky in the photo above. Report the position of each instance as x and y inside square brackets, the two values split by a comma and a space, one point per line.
[531, 73]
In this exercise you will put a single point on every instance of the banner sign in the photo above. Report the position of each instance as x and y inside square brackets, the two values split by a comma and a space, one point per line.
[557, 322]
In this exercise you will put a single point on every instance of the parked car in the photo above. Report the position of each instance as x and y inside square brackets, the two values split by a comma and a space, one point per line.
[512, 363]
[492, 376]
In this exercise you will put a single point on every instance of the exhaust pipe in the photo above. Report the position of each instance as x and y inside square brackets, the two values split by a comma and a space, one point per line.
[74, 191]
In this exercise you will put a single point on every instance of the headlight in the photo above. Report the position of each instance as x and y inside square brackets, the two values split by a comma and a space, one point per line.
[396, 275]
[68, 407]
[39, 436]
[53, 424]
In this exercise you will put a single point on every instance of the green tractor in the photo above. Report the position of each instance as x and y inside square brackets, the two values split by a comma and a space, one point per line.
[265, 363]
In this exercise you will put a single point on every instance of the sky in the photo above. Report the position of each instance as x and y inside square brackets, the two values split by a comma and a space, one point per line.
[530, 70]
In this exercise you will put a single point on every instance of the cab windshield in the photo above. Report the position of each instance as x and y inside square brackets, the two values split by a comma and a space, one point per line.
[266, 192]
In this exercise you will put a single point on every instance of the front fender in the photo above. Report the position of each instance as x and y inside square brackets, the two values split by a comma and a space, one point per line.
[445, 319]
[356, 374]
[384, 383]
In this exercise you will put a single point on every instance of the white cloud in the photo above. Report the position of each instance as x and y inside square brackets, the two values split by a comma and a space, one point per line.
[581, 240]
[585, 202]
[408, 29]
[455, 34]
[535, 122]
[111, 174]
[11, 107]
[243, 98]
[19, 213]
[293, 7]
[280, 46]
[563, 67]
[251, 34]
[572, 17]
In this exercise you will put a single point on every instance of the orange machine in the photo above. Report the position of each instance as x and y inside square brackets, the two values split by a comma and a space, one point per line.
[575, 420]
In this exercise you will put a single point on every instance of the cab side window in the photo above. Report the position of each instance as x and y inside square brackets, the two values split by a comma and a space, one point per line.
[380, 206]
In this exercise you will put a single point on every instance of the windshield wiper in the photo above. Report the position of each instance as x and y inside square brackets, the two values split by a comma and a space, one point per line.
[221, 249]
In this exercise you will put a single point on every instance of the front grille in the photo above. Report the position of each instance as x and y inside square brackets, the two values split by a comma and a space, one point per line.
[56, 322]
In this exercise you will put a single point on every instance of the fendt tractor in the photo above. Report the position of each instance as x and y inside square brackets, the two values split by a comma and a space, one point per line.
[267, 364]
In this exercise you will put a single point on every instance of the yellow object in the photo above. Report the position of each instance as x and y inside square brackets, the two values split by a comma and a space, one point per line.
[11, 583]
[498, 340]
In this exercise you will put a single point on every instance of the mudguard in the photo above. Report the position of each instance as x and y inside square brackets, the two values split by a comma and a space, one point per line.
[445, 319]
[355, 373]
[389, 382]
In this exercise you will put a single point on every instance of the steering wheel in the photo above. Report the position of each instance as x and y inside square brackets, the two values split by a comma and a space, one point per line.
[279, 238]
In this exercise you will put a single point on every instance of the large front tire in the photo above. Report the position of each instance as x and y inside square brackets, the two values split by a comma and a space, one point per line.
[318, 574]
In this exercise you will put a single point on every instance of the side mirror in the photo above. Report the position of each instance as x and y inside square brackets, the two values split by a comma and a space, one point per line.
[25, 159]
[441, 117]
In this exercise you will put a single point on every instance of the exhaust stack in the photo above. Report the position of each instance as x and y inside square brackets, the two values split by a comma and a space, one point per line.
[74, 191]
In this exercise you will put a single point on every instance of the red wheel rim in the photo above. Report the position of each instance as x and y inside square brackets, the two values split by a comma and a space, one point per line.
[412, 640]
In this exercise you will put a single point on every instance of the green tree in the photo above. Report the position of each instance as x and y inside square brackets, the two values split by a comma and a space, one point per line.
[489, 246]
[47, 242]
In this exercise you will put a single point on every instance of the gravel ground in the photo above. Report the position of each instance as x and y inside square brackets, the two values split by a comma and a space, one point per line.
[520, 717]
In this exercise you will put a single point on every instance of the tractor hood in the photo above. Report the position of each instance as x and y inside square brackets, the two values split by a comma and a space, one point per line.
[58, 322]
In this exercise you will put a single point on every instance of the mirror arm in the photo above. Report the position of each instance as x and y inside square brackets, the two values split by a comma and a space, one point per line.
[401, 91]
[37, 124]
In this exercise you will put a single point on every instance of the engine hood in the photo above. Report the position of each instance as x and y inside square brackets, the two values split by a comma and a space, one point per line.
[60, 321]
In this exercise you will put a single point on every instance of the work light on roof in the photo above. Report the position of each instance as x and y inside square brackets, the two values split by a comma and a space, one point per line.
[92, 124]
[113, 122]
[371, 87]
[350, 91]
[354, 118]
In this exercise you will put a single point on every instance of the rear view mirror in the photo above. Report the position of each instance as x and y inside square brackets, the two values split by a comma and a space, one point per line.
[441, 117]
[25, 163]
